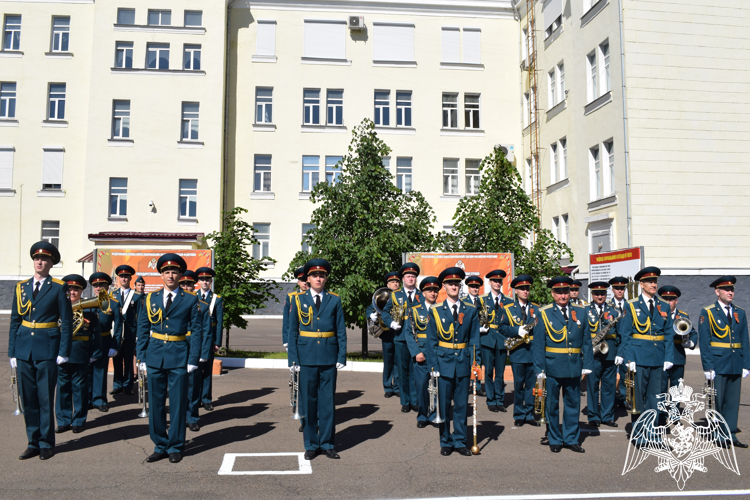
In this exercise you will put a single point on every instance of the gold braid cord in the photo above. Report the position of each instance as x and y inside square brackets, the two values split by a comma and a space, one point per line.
[23, 309]
[563, 332]
[641, 327]
[153, 317]
[303, 315]
[716, 328]
[447, 336]
[419, 326]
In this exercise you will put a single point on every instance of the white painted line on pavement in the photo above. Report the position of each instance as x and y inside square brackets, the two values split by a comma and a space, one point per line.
[351, 366]
[228, 464]
[635, 494]
[600, 430]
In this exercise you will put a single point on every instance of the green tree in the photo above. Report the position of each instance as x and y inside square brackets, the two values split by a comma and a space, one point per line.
[238, 279]
[502, 218]
[363, 225]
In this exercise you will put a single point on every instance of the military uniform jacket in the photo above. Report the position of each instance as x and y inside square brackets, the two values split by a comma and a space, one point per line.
[495, 337]
[647, 339]
[510, 323]
[41, 328]
[87, 343]
[578, 302]
[317, 337]
[129, 320]
[450, 344]
[419, 317]
[387, 334]
[400, 296]
[183, 321]
[597, 323]
[679, 349]
[562, 349]
[613, 304]
[216, 332]
[723, 349]
[111, 323]
[285, 315]
[207, 339]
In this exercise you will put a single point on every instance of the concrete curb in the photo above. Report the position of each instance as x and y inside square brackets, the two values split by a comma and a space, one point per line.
[351, 366]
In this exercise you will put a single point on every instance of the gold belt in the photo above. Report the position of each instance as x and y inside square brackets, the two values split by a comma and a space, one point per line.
[323, 335]
[726, 346]
[106, 334]
[449, 345]
[638, 336]
[170, 338]
[610, 337]
[563, 350]
[34, 324]
[421, 335]
[493, 326]
[80, 337]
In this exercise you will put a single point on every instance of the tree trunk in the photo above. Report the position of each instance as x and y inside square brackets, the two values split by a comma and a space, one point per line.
[364, 341]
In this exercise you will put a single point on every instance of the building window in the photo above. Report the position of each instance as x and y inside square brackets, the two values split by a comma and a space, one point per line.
[8, 100]
[56, 101]
[553, 165]
[403, 109]
[265, 44]
[324, 39]
[52, 169]
[533, 104]
[190, 111]
[450, 176]
[306, 233]
[193, 18]
[596, 173]
[593, 88]
[160, 17]
[157, 56]
[262, 249]
[561, 77]
[552, 27]
[121, 120]
[126, 16]
[310, 172]
[527, 176]
[312, 106]
[333, 169]
[386, 161]
[564, 231]
[51, 232]
[188, 198]
[263, 173]
[6, 168]
[12, 33]
[192, 58]
[552, 93]
[471, 110]
[556, 227]
[450, 40]
[563, 159]
[60, 34]
[383, 108]
[393, 43]
[472, 46]
[403, 174]
[124, 55]
[450, 110]
[263, 105]
[609, 148]
[472, 177]
[118, 197]
[604, 56]
[526, 110]
[335, 106]
[525, 44]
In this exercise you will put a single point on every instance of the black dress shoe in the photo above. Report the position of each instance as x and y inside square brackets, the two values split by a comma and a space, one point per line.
[555, 448]
[194, 427]
[331, 453]
[103, 408]
[129, 392]
[575, 447]
[91, 406]
[29, 453]
[46, 453]
[302, 427]
[595, 423]
[544, 441]
[405, 408]
[446, 451]
[533, 423]
[62, 428]
[155, 457]
[115, 391]
[175, 458]
[388, 395]
[77, 429]
[493, 409]
[481, 392]
[421, 424]
[501, 408]
[415, 408]
[208, 406]
[310, 454]
[463, 451]
[519, 423]
[610, 423]
[737, 444]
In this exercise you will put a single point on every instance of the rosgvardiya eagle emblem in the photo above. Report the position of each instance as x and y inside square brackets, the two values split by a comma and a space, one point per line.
[682, 450]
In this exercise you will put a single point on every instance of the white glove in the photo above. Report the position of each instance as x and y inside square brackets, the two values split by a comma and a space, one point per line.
[395, 326]
[191, 368]
[112, 353]
[745, 372]
[710, 374]
[668, 365]
[339, 366]
[294, 368]
[483, 329]
[435, 374]
[374, 317]
[286, 348]
[631, 366]
[142, 366]
[585, 371]
[60, 360]
[13, 362]
[201, 360]
[691, 345]
[618, 360]
[541, 376]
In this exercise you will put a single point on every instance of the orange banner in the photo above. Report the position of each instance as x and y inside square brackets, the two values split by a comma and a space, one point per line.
[144, 263]
[473, 264]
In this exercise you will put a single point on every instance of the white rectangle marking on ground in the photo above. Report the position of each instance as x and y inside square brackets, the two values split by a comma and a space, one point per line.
[635, 494]
[228, 464]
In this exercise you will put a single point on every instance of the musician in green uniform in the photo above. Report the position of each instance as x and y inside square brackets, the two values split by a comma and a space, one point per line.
[619, 286]
[575, 289]
[129, 300]
[474, 284]
[212, 341]
[111, 330]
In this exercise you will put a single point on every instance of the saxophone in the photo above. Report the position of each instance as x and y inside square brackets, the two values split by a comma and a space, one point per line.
[484, 315]
[525, 335]
[600, 345]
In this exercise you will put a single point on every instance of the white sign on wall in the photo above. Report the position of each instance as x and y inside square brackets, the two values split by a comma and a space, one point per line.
[605, 266]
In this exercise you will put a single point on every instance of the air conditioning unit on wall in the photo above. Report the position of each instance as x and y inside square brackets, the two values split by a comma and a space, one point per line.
[356, 23]
[508, 151]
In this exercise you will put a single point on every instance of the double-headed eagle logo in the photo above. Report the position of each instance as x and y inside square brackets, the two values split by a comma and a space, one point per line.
[681, 445]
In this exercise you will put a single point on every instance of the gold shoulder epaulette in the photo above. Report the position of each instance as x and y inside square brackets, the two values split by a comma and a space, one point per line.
[682, 312]
[508, 306]
[136, 293]
[334, 294]
[633, 301]
[737, 307]
[188, 291]
[437, 304]
[24, 281]
[418, 306]
[59, 282]
[469, 304]
[709, 307]
[579, 306]
[114, 300]
[544, 308]
[534, 304]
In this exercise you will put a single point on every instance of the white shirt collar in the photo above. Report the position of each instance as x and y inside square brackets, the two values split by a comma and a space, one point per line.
[167, 293]
[41, 282]
[494, 295]
[560, 308]
[314, 294]
[724, 306]
[522, 304]
[450, 303]
[429, 305]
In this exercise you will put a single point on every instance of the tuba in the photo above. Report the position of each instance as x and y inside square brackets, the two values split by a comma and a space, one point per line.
[682, 327]
[101, 301]
[379, 300]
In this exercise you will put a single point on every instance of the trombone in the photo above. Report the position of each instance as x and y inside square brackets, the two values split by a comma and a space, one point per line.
[432, 391]
[142, 380]
[630, 396]
[16, 392]
[540, 399]
[294, 393]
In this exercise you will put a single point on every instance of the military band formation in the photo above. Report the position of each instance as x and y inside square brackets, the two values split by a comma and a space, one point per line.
[434, 353]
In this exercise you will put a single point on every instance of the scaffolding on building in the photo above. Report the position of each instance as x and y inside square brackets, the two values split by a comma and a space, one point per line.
[531, 72]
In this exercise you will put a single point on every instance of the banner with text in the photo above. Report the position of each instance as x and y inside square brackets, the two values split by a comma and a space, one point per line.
[605, 266]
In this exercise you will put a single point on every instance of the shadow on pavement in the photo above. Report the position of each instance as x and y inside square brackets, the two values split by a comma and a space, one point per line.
[205, 442]
[355, 412]
[217, 416]
[243, 396]
[488, 431]
[101, 438]
[103, 419]
[344, 397]
[358, 434]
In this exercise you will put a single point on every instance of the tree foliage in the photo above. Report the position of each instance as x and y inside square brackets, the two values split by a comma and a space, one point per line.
[238, 279]
[364, 223]
[502, 218]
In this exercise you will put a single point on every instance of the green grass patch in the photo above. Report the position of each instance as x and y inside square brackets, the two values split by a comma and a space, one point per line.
[351, 356]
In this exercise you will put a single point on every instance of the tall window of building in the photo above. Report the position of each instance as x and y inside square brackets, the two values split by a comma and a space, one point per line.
[593, 88]
[526, 182]
[265, 43]
[263, 173]
[596, 173]
[403, 174]
[553, 165]
[450, 176]
[556, 227]
[190, 112]
[564, 232]
[262, 249]
[307, 230]
[310, 172]
[609, 148]
[60, 34]
[324, 39]
[192, 57]
[472, 177]
[393, 42]
[157, 56]
[193, 18]
[561, 77]
[471, 110]
[335, 106]
[8, 100]
[524, 44]
[383, 108]
[12, 33]
[403, 108]
[52, 169]
[563, 159]
[386, 161]
[6, 168]
[450, 40]
[188, 198]
[312, 106]
[552, 92]
[263, 105]
[159, 17]
[472, 46]
[526, 109]
[120, 119]
[118, 197]
[56, 101]
[450, 110]
[51, 232]
[126, 16]
[124, 55]
[333, 169]
[604, 56]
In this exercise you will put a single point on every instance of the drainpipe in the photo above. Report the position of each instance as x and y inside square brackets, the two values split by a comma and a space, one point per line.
[226, 111]
[625, 125]
[517, 17]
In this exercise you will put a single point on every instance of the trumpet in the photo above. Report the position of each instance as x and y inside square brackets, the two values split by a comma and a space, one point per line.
[540, 399]
[682, 327]
[710, 392]
[294, 393]
[432, 391]
[16, 393]
[630, 391]
[142, 391]
[101, 301]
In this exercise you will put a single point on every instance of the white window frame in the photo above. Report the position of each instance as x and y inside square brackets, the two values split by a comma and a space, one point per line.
[551, 89]
[472, 174]
[563, 158]
[262, 249]
[14, 30]
[450, 176]
[393, 43]
[533, 105]
[185, 16]
[595, 169]
[53, 167]
[190, 196]
[527, 187]
[123, 11]
[263, 105]
[190, 119]
[333, 168]
[126, 49]
[405, 174]
[565, 228]
[262, 173]
[265, 43]
[312, 174]
[472, 111]
[603, 53]
[51, 225]
[526, 109]
[402, 106]
[6, 167]
[8, 100]
[450, 110]
[592, 79]
[561, 80]
[333, 31]
[386, 162]
[334, 105]
[157, 49]
[553, 163]
[55, 101]
[310, 104]
[189, 60]
[60, 43]
[467, 40]
[382, 117]
[306, 228]
[556, 227]
[120, 120]
[450, 44]
[118, 195]
[610, 181]
[162, 13]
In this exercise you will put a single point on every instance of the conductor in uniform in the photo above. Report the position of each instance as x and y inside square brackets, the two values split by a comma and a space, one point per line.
[213, 340]
[317, 349]
[111, 330]
[169, 344]
[129, 301]
[41, 327]
[474, 283]
[494, 352]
